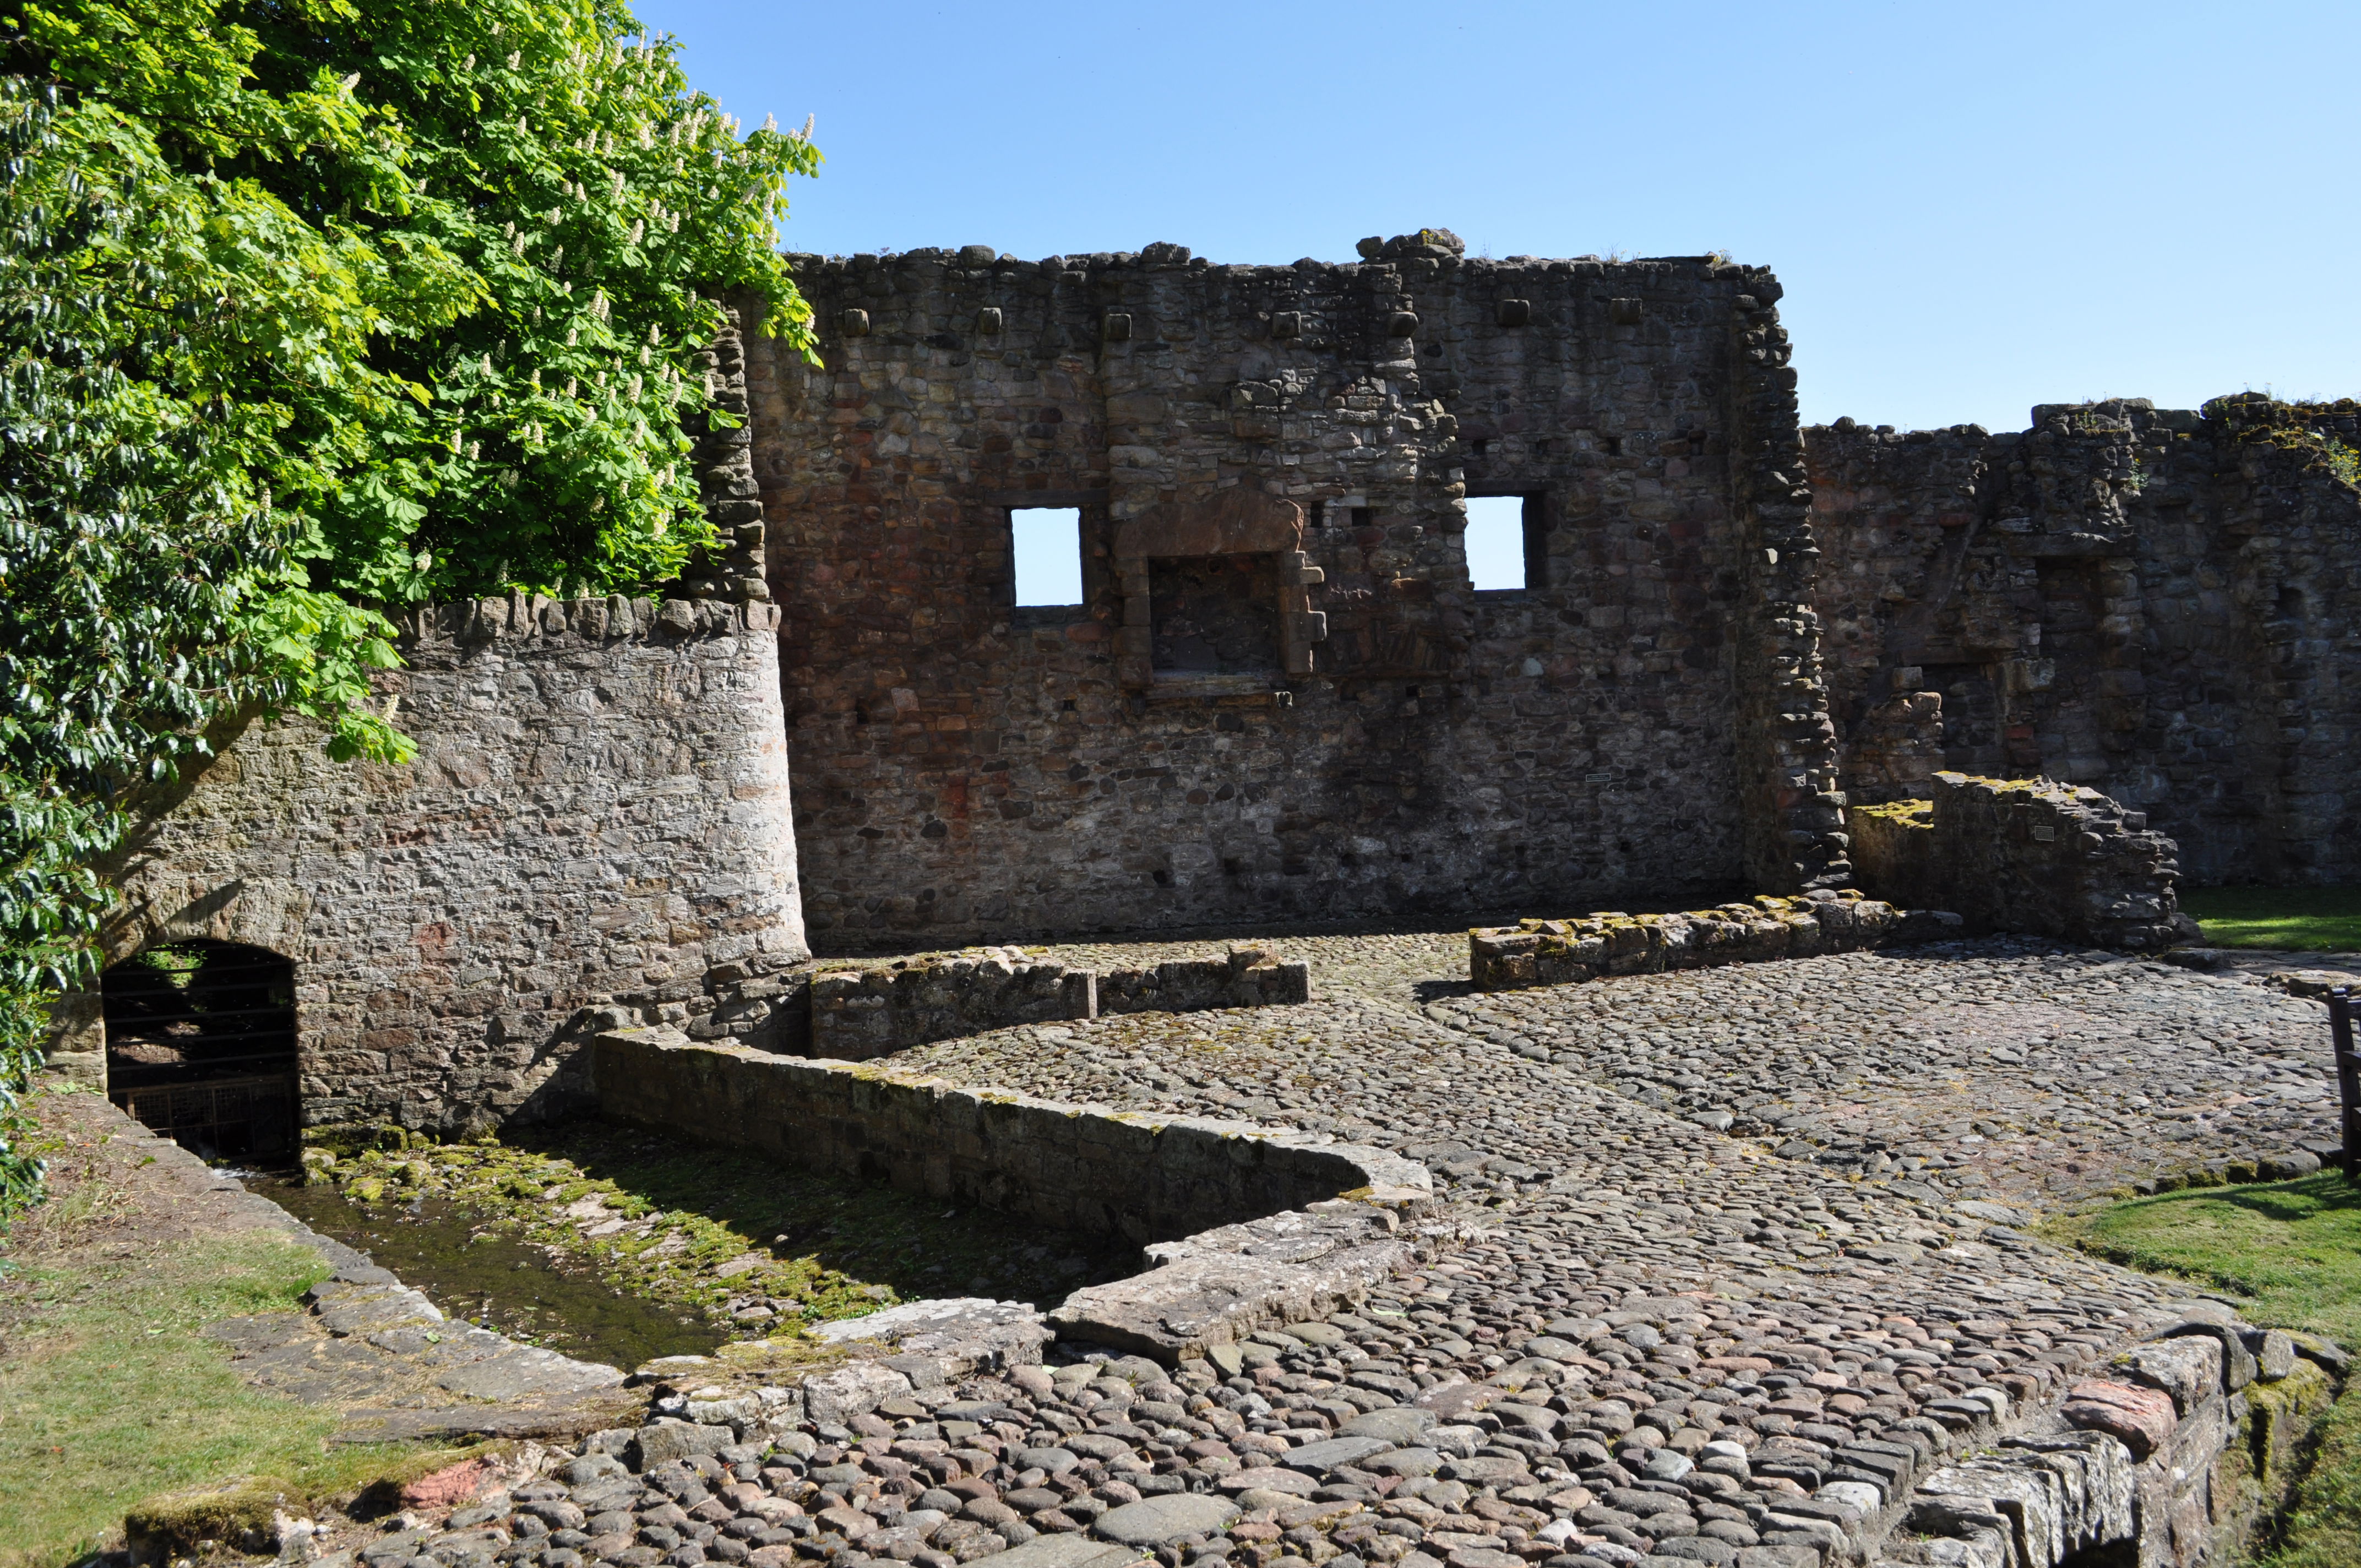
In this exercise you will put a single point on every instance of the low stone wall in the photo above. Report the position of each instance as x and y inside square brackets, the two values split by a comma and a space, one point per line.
[2029, 855]
[2130, 1468]
[1247, 978]
[1559, 952]
[858, 1014]
[1111, 1173]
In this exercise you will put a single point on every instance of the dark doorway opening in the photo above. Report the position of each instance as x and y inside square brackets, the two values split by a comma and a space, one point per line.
[201, 1047]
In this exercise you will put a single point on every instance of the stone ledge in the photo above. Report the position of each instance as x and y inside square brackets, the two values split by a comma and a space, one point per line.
[1559, 952]
[1085, 1167]
[858, 1014]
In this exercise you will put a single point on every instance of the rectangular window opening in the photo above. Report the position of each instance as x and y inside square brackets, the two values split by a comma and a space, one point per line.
[1048, 546]
[1504, 543]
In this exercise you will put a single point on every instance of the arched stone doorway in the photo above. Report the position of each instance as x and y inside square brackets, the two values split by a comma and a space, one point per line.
[201, 1047]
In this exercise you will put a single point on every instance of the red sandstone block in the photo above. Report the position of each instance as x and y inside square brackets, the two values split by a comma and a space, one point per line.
[2141, 1418]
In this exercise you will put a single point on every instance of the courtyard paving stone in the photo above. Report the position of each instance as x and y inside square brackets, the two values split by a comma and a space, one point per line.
[1738, 1254]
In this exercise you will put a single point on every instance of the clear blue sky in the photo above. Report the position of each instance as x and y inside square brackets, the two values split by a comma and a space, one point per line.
[1974, 207]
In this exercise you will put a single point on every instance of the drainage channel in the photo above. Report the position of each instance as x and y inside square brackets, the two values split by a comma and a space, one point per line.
[484, 1272]
[613, 1243]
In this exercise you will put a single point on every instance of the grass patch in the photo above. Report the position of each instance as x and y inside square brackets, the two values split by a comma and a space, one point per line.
[2292, 1252]
[110, 1395]
[2301, 919]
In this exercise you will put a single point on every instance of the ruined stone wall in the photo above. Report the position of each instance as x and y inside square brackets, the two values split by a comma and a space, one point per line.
[1077, 1167]
[1281, 696]
[860, 1014]
[597, 823]
[1538, 952]
[598, 816]
[2163, 605]
[2024, 855]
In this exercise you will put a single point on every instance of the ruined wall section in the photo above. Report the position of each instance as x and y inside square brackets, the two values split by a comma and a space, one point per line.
[597, 823]
[966, 767]
[597, 816]
[2152, 602]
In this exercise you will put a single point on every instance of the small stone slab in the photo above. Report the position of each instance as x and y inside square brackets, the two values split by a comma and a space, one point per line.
[1319, 1458]
[2141, 1418]
[963, 1333]
[668, 1441]
[1403, 1424]
[1404, 1462]
[1095, 1445]
[1152, 1521]
[1485, 1470]
[1269, 1478]
[850, 1390]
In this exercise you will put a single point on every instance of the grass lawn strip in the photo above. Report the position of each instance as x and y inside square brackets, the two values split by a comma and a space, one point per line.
[2291, 1251]
[2299, 919]
[110, 1395]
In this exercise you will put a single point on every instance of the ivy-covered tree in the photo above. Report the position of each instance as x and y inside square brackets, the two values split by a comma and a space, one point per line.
[312, 310]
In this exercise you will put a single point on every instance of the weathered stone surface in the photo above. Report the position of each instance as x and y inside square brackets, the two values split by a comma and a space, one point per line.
[1152, 1521]
[1218, 1286]
[961, 1334]
[1080, 1169]
[2024, 855]
[2188, 1369]
[1319, 1458]
[1066, 1552]
[2141, 1418]
[1282, 693]
[853, 1389]
[1402, 1425]
[665, 1442]
[2150, 602]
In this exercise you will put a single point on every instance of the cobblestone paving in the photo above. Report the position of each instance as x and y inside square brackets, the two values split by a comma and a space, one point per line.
[1661, 1340]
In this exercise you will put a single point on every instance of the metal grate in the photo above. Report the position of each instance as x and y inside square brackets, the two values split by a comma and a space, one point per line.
[221, 1118]
[201, 1045]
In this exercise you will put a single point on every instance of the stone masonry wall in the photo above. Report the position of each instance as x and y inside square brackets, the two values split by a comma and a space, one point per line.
[597, 816]
[1647, 712]
[860, 1014]
[2024, 855]
[2163, 605]
[1150, 1179]
[1565, 952]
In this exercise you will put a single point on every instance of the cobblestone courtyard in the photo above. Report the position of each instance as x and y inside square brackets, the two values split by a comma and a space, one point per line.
[1735, 1240]
[1737, 1256]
